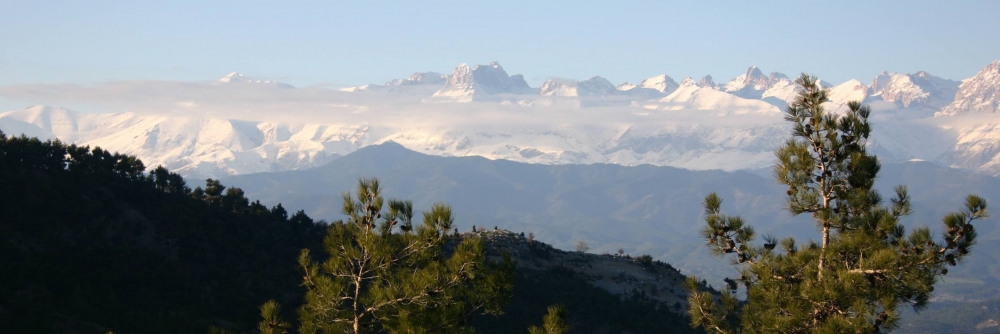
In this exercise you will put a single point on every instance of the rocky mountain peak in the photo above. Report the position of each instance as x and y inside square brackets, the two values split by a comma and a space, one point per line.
[661, 83]
[687, 81]
[595, 86]
[752, 84]
[913, 90]
[775, 77]
[626, 86]
[465, 82]
[978, 94]
[420, 78]
[707, 82]
[461, 76]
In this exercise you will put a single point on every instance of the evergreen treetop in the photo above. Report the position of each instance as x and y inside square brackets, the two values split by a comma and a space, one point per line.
[385, 275]
[865, 265]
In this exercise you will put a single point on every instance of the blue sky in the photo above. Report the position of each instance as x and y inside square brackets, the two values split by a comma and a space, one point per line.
[353, 43]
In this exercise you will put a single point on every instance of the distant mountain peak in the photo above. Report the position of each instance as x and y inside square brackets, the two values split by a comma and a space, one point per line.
[466, 82]
[978, 94]
[231, 76]
[662, 83]
[420, 78]
[390, 144]
[595, 86]
[707, 82]
[913, 90]
[753, 83]
[626, 86]
[237, 77]
[775, 76]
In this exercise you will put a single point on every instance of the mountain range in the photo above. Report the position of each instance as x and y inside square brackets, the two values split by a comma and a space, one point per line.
[919, 90]
[690, 124]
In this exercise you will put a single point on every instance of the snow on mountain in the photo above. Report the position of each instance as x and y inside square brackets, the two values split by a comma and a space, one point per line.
[978, 94]
[425, 78]
[781, 91]
[200, 147]
[690, 96]
[558, 87]
[364, 88]
[776, 89]
[237, 77]
[698, 125]
[917, 90]
[195, 147]
[595, 86]
[750, 85]
[467, 84]
[626, 86]
[661, 83]
[840, 95]
[409, 85]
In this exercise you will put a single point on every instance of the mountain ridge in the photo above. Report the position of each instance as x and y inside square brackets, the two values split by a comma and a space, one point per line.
[644, 209]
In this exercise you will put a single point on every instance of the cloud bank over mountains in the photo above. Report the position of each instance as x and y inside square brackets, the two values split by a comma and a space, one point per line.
[240, 124]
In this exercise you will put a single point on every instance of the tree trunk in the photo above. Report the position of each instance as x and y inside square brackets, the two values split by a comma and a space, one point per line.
[357, 308]
[822, 251]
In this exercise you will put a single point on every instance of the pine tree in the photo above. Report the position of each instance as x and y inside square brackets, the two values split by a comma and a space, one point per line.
[553, 323]
[272, 323]
[865, 266]
[385, 275]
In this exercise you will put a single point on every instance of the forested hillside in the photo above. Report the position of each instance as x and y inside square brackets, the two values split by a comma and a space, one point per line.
[92, 243]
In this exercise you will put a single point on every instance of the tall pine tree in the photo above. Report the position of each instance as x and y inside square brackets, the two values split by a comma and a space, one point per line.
[865, 266]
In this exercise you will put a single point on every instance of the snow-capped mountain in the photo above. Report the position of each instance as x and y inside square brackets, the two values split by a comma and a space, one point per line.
[690, 96]
[418, 79]
[651, 88]
[917, 90]
[978, 94]
[840, 95]
[237, 77]
[626, 86]
[199, 147]
[750, 85]
[697, 125]
[776, 89]
[781, 91]
[661, 83]
[467, 84]
[707, 82]
[192, 146]
[595, 86]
